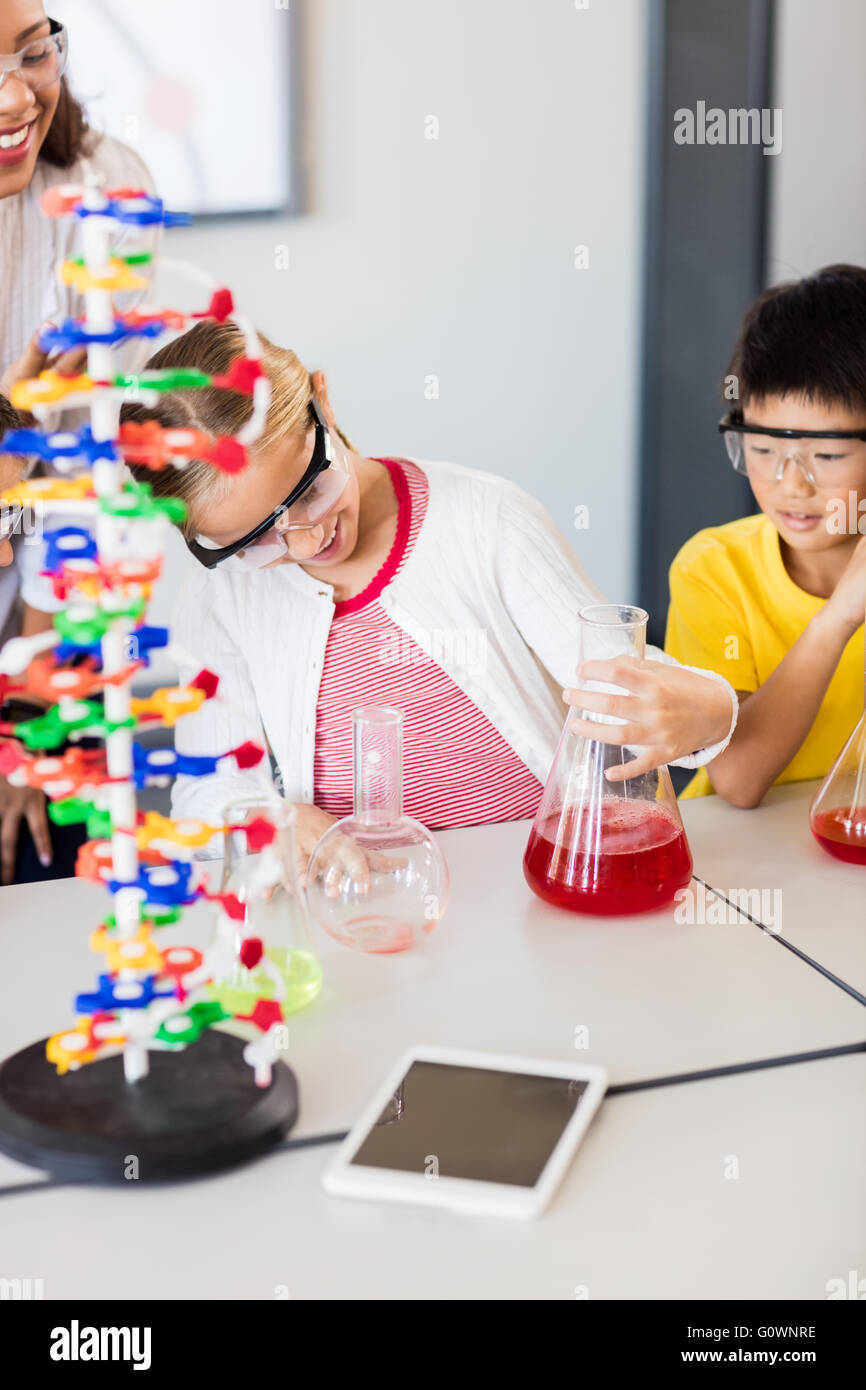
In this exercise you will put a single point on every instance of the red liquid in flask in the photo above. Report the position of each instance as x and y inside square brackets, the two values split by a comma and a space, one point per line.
[842, 832]
[639, 859]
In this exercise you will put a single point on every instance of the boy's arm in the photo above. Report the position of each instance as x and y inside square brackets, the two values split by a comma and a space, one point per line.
[775, 720]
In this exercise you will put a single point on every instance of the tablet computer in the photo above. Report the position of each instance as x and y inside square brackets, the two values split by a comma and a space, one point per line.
[475, 1131]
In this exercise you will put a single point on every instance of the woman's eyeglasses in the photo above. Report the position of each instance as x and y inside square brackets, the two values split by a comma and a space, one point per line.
[41, 61]
[317, 492]
[11, 517]
[826, 458]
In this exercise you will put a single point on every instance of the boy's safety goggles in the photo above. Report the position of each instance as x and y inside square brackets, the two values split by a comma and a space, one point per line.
[826, 458]
[309, 501]
[40, 62]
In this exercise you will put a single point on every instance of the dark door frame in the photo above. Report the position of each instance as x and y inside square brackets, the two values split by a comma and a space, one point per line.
[705, 259]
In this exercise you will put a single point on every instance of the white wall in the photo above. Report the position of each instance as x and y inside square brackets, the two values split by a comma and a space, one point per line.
[456, 257]
[818, 193]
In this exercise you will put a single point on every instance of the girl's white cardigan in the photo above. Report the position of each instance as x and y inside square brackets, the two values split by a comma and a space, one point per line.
[491, 587]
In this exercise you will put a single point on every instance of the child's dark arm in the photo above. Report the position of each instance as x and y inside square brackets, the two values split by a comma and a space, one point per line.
[34, 620]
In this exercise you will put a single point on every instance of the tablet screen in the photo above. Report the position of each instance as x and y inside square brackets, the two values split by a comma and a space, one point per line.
[471, 1122]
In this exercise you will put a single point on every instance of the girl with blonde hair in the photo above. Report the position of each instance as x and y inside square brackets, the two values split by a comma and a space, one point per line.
[329, 580]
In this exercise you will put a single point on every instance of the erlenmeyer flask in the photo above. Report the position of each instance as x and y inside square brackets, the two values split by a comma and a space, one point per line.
[597, 846]
[838, 813]
[267, 954]
[377, 881]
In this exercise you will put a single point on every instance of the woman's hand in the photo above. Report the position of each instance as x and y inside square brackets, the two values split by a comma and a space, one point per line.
[34, 360]
[17, 804]
[669, 712]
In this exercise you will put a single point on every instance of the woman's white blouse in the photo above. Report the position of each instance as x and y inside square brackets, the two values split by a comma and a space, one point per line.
[489, 572]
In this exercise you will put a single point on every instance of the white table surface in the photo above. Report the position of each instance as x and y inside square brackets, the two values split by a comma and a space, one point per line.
[646, 1211]
[823, 901]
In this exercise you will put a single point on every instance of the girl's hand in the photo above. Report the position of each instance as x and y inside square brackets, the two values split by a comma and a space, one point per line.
[346, 857]
[17, 804]
[669, 712]
[847, 603]
[346, 860]
[310, 826]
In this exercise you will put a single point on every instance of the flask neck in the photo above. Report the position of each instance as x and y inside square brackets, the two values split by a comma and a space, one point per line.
[378, 765]
[609, 630]
[606, 631]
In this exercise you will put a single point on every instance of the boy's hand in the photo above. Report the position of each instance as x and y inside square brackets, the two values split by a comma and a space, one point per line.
[669, 711]
[846, 605]
[17, 804]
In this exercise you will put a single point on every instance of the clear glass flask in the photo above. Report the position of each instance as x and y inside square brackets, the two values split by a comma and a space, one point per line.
[377, 881]
[837, 815]
[274, 914]
[608, 848]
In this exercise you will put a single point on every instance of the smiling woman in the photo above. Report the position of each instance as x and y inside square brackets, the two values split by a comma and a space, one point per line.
[44, 140]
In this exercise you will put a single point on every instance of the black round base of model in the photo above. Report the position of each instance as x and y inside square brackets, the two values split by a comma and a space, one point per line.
[196, 1111]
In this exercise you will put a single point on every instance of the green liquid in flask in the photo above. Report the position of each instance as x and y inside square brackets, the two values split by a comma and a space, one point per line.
[301, 973]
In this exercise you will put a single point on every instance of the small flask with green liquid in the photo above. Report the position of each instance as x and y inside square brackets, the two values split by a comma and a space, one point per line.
[266, 885]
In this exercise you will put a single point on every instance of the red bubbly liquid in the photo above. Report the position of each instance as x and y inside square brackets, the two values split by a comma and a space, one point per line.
[842, 832]
[640, 858]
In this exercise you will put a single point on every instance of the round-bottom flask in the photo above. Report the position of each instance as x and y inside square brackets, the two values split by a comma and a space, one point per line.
[377, 881]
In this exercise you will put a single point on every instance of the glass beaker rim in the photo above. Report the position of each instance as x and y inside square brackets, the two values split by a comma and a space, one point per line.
[377, 714]
[592, 614]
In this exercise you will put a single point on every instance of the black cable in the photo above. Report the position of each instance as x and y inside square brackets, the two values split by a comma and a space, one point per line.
[681, 1078]
[621, 1089]
[336, 1137]
[12, 1189]
[783, 941]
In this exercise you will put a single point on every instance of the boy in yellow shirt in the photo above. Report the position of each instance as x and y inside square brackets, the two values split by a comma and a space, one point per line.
[775, 602]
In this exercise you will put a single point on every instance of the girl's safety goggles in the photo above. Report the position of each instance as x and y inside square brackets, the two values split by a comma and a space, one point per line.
[309, 501]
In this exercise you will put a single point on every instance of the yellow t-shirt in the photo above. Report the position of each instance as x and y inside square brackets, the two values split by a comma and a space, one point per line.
[735, 609]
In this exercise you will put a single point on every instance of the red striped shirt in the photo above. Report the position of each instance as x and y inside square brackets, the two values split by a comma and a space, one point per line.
[457, 768]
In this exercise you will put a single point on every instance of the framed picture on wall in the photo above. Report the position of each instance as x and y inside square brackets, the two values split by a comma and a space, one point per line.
[202, 90]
